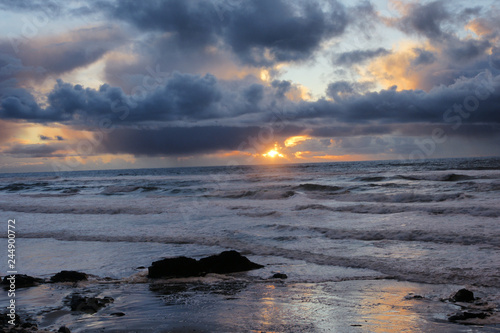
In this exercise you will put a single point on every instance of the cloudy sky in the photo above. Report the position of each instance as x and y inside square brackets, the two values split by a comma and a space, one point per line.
[133, 84]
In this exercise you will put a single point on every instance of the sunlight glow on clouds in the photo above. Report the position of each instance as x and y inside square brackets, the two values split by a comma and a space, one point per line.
[175, 83]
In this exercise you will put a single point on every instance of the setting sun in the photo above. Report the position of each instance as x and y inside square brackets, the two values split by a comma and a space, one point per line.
[273, 152]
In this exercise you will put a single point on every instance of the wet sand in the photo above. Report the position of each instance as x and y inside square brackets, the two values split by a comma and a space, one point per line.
[239, 303]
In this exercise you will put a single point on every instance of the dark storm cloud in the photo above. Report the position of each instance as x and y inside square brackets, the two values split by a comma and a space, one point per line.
[18, 103]
[190, 98]
[425, 19]
[254, 93]
[62, 53]
[358, 56]
[481, 93]
[183, 97]
[343, 88]
[276, 26]
[36, 150]
[423, 57]
[48, 138]
[408, 130]
[465, 50]
[282, 87]
[194, 23]
[438, 22]
[188, 140]
[259, 32]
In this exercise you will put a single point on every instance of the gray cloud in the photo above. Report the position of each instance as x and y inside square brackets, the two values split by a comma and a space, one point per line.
[466, 50]
[48, 138]
[182, 113]
[186, 98]
[35, 150]
[260, 32]
[423, 57]
[339, 89]
[187, 140]
[425, 19]
[31, 5]
[358, 56]
[62, 53]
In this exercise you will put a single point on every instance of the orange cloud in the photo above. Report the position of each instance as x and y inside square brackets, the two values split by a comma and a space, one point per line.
[312, 156]
[236, 153]
[295, 140]
[397, 68]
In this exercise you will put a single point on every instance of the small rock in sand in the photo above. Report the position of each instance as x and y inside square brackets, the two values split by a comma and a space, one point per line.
[463, 295]
[279, 276]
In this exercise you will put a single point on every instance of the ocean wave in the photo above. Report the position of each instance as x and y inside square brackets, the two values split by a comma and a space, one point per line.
[449, 177]
[262, 194]
[92, 210]
[16, 187]
[318, 187]
[416, 269]
[394, 209]
[47, 195]
[370, 179]
[397, 235]
[259, 214]
[402, 197]
[113, 190]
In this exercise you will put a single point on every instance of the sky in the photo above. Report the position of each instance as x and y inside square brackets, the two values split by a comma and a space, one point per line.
[144, 84]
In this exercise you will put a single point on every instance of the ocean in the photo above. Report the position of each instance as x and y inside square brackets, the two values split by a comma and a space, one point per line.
[356, 240]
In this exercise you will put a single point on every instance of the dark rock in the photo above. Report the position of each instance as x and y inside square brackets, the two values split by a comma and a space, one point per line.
[21, 281]
[140, 267]
[6, 317]
[88, 304]
[174, 267]
[63, 329]
[225, 262]
[68, 276]
[117, 314]
[463, 295]
[280, 276]
[29, 325]
[467, 315]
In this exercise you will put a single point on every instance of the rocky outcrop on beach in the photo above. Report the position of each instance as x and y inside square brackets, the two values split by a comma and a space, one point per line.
[68, 276]
[20, 281]
[175, 267]
[227, 262]
[223, 263]
[8, 324]
[88, 304]
[473, 311]
[463, 295]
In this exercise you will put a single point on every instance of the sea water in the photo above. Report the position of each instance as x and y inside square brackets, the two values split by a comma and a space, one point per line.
[326, 225]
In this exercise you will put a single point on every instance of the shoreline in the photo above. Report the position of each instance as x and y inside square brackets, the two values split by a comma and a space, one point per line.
[238, 302]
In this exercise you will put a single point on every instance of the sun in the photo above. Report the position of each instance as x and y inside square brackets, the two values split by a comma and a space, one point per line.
[273, 152]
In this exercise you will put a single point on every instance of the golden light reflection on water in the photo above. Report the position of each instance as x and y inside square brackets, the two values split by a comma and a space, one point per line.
[388, 311]
[269, 306]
